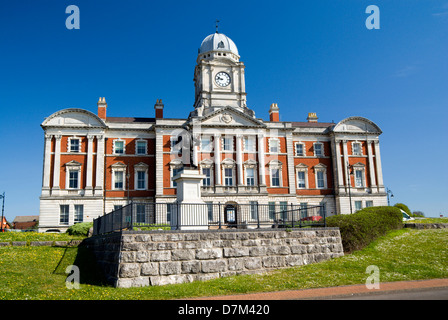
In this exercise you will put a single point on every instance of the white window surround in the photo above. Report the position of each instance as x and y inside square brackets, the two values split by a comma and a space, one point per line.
[276, 165]
[296, 153]
[175, 145]
[72, 166]
[301, 167]
[323, 169]
[207, 164]
[119, 167]
[175, 165]
[359, 175]
[274, 145]
[69, 144]
[227, 144]
[141, 141]
[208, 146]
[250, 164]
[114, 151]
[321, 149]
[141, 167]
[359, 153]
[249, 144]
[228, 164]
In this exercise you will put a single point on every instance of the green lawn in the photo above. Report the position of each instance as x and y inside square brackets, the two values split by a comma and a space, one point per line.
[407, 254]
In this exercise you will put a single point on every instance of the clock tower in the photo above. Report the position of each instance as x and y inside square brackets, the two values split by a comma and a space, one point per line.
[219, 77]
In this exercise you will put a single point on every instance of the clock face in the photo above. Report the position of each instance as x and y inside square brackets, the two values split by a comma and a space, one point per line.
[222, 79]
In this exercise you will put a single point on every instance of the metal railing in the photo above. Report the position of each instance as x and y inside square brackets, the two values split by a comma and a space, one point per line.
[176, 216]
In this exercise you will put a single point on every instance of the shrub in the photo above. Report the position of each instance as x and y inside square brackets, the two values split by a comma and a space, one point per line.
[403, 207]
[80, 229]
[361, 228]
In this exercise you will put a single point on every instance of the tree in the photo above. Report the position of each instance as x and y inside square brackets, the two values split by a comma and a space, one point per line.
[418, 214]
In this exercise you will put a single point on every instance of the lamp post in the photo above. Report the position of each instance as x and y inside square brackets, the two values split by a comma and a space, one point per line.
[349, 171]
[388, 191]
[3, 211]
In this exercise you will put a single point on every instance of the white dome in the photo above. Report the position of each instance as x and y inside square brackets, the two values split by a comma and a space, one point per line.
[218, 42]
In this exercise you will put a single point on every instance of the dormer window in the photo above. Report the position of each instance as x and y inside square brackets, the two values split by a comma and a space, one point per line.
[221, 45]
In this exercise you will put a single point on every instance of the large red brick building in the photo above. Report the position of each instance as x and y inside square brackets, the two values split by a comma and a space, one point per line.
[94, 164]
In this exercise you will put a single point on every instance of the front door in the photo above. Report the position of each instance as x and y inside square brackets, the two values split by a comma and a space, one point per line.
[230, 214]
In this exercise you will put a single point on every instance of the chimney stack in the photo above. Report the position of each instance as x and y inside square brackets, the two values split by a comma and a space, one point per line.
[312, 117]
[102, 108]
[273, 113]
[159, 108]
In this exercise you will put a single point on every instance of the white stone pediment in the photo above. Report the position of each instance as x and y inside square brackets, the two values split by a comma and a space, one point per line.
[73, 118]
[231, 117]
[357, 125]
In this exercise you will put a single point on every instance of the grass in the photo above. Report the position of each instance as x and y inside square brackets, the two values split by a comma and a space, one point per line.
[429, 220]
[407, 254]
[36, 236]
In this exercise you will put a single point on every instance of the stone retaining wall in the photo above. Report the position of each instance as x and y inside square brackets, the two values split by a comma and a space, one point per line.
[69, 243]
[426, 225]
[143, 258]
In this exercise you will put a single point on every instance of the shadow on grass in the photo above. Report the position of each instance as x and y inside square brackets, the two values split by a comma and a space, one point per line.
[84, 259]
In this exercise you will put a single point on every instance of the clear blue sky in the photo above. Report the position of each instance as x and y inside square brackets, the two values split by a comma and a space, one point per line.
[307, 56]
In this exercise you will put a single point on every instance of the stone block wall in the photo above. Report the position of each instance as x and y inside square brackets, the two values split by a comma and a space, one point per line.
[143, 258]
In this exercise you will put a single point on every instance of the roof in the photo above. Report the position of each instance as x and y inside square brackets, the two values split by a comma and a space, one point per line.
[218, 42]
[26, 218]
[312, 124]
[128, 119]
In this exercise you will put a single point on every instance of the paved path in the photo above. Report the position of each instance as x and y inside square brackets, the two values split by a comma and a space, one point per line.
[340, 292]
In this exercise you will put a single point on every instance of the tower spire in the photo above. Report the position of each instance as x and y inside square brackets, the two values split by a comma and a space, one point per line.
[217, 21]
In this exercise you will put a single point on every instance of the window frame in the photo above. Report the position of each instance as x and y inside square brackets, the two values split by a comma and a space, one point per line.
[141, 141]
[114, 151]
[321, 149]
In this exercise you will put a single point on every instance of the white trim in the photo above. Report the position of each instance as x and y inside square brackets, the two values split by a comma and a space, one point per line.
[301, 167]
[360, 148]
[322, 149]
[207, 164]
[140, 167]
[69, 144]
[250, 164]
[276, 165]
[124, 146]
[118, 167]
[76, 167]
[270, 146]
[232, 147]
[320, 168]
[146, 147]
[303, 149]
[254, 144]
[228, 163]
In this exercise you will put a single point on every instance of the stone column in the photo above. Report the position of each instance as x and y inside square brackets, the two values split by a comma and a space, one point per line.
[89, 173]
[291, 173]
[57, 164]
[217, 153]
[239, 159]
[100, 141]
[159, 162]
[371, 167]
[261, 163]
[379, 170]
[47, 166]
[346, 176]
[339, 173]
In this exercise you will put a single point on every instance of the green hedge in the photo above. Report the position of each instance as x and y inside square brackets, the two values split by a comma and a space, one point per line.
[80, 229]
[361, 228]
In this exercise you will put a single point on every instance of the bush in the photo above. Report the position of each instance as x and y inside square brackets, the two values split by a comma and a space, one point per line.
[361, 228]
[80, 229]
[403, 207]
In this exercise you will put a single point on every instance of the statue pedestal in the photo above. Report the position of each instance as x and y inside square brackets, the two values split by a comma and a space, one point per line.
[191, 212]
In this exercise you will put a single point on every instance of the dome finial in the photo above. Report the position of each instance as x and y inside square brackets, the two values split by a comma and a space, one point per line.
[217, 21]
